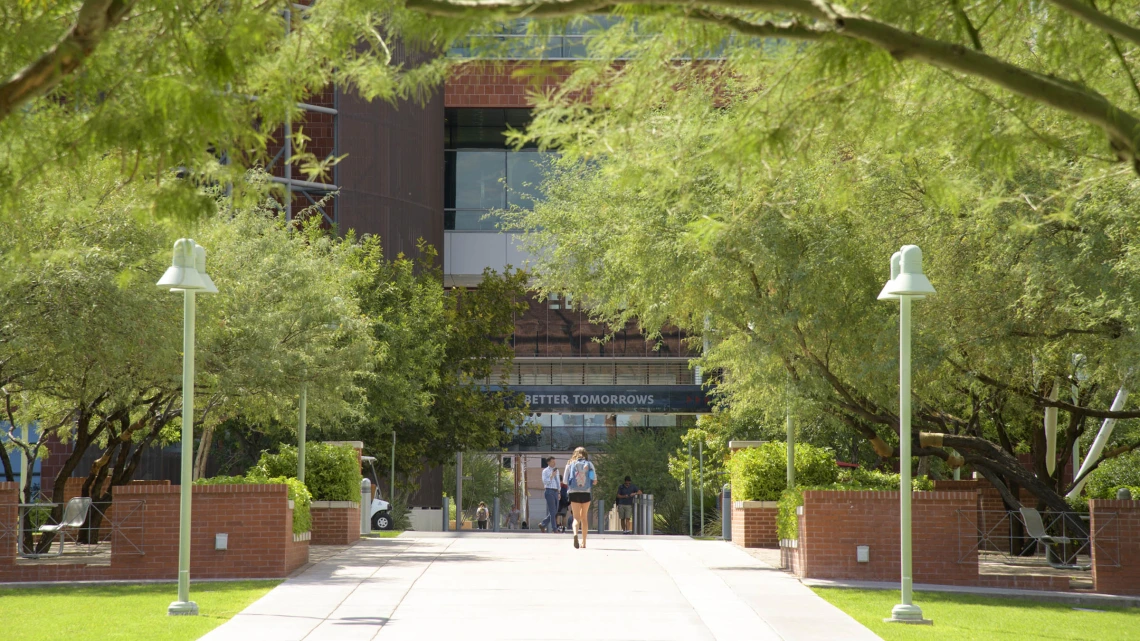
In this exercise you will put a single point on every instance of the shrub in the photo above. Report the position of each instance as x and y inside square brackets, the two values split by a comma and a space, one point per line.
[760, 473]
[1122, 471]
[298, 493]
[332, 472]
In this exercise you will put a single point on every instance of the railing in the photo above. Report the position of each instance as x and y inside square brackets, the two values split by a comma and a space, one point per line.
[1001, 536]
[123, 526]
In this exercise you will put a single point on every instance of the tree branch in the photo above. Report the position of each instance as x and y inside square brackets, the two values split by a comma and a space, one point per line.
[971, 30]
[1089, 14]
[1075, 99]
[95, 19]
[792, 30]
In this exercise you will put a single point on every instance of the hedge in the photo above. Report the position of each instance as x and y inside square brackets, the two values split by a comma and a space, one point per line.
[332, 472]
[298, 493]
[1122, 471]
[760, 473]
[787, 523]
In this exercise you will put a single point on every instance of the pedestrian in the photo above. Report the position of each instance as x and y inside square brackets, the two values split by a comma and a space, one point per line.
[513, 519]
[563, 505]
[580, 477]
[481, 515]
[626, 492]
[551, 481]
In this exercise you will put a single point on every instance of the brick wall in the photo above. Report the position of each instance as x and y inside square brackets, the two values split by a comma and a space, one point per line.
[754, 524]
[8, 499]
[144, 544]
[834, 523]
[495, 84]
[1116, 552]
[335, 522]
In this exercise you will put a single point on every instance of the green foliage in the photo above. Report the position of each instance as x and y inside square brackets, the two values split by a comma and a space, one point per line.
[483, 469]
[297, 492]
[760, 473]
[643, 455]
[774, 249]
[170, 86]
[332, 472]
[435, 350]
[1121, 471]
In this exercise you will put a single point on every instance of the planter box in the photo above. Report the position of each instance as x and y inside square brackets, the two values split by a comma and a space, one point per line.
[335, 522]
[754, 524]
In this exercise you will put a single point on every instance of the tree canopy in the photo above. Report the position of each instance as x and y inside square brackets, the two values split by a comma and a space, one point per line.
[661, 213]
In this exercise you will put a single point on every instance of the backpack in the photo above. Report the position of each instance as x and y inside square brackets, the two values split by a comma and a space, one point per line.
[580, 476]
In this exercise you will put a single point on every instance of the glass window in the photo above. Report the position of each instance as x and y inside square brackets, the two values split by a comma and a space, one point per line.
[479, 177]
[525, 171]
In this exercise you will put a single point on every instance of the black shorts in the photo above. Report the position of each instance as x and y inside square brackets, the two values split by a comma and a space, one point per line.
[579, 497]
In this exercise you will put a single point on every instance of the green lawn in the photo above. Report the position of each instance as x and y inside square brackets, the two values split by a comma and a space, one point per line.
[128, 612]
[966, 617]
[384, 534]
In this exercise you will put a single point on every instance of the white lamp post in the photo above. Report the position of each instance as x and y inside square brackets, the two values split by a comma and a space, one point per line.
[907, 283]
[186, 275]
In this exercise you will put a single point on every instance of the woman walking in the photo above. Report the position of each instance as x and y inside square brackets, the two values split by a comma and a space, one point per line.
[580, 478]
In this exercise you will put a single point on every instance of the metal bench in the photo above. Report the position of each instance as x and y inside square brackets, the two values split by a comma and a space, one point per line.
[74, 515]
[1035, 527]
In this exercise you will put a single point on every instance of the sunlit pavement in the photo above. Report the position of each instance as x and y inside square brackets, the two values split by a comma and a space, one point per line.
[477, 586]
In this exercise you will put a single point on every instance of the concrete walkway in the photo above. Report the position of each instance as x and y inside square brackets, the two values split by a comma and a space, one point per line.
[475, 586]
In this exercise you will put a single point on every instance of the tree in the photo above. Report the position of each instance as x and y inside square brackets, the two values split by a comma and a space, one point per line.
[1065, 56]
[200, 86]
[104, 341]
[435, 350]
[488, 479]
[671, 220]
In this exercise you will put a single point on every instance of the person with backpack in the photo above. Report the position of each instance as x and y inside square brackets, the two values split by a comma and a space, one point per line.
[481, 515]
[580, 478]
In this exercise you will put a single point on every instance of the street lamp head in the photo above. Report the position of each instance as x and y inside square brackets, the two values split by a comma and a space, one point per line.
[200, 265]
[910, 281]
[182, 273]
[895, 259]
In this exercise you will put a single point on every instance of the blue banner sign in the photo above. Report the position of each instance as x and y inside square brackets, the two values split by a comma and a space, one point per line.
[615, 399]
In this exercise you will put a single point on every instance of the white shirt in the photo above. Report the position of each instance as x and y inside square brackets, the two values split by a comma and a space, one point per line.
[551, 479]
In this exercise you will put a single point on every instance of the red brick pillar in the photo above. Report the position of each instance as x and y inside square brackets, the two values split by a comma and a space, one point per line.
[1115, 546]
[9, 497]
[754, 524]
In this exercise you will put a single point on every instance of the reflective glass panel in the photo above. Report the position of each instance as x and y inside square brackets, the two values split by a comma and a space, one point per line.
[479, 177]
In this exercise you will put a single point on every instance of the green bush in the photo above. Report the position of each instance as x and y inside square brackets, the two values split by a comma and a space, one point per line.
[332, 472]
[760, 473]
[788, 525]
[298, 493]
[1122, 471]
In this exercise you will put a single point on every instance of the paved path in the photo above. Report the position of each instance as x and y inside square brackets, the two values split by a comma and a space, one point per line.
[473, 586]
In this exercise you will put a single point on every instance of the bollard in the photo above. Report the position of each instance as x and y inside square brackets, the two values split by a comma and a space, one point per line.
[1124, 494]
[365, 506]
[495, 515]
[649, 527]
[601, 516]
[635, 521]
[726, 513]
[446, 509]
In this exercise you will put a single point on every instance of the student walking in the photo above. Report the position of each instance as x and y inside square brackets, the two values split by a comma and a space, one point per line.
[625, 494]
[552, 482]
[580, 479]
[481, 515]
